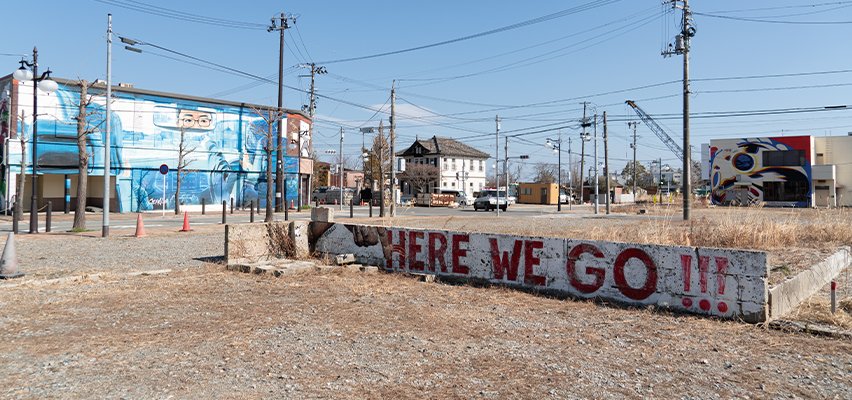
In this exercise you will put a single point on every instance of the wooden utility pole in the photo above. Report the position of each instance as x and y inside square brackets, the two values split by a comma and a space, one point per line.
[633, 146]
[393, 151]
[606, 165]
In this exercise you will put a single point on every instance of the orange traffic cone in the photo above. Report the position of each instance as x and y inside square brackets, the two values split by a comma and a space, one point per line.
[291, 205]
[185, 222]
[140, 227]
[335, 201]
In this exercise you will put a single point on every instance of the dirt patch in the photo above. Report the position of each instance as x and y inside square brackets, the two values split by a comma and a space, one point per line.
[203, 333]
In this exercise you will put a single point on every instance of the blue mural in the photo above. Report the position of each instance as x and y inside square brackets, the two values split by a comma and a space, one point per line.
[227, 158]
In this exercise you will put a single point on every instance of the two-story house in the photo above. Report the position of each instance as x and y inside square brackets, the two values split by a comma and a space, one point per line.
[460, 167]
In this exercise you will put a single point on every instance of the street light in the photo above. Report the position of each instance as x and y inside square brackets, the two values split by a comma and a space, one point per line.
[48, 86]
[557, 149]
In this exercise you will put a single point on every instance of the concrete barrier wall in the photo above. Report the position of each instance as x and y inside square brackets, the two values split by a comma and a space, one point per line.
[790, 293]
[725, 283]
[250, 243]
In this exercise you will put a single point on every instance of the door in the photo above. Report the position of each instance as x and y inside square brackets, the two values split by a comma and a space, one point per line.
[544, 199]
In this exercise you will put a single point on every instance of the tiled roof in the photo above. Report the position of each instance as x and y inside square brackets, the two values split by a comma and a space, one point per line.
[443, 146]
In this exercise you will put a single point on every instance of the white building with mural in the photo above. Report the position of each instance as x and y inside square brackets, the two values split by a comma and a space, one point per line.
[228, 138]
[790, 171]
[461, 167]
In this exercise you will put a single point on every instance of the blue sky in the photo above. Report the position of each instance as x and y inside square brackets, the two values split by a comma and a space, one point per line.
[535, 76]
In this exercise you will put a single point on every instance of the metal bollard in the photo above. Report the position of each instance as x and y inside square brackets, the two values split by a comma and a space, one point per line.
[203, 205]
[48, 218]
[833, 297]
[15, 217]
[371, 208]
[232, 205]
[351, 208]
[224, 211]
[251, 207]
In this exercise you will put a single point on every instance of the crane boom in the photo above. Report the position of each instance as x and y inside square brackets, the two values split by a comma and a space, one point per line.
[658, 130]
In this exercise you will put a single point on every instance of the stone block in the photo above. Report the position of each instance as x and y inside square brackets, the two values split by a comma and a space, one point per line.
[263, 269]
[322, 214]
[299, 235]
[371, 270]
[344, 259]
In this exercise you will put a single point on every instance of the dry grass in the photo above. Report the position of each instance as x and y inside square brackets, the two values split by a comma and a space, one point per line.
[818, 310]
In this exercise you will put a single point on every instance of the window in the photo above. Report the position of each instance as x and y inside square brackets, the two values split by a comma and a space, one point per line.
[444, 184]
[471, 165]
[445, 164]
[480, 168]
[454, 164]
[454, 184]
[794, 191]
[526, 191]
[784, 158]
[480, 185]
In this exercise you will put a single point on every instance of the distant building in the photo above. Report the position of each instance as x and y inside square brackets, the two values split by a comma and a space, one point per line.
[228, 138]
[461, 167]
[328, 175]
[792, 171]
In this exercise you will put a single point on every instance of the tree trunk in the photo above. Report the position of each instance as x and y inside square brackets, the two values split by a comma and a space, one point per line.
[270, 205]
[82, 161]
[177, 194]
[19, 209]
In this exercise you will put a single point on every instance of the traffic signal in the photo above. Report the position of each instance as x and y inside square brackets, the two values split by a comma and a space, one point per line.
[524, 157]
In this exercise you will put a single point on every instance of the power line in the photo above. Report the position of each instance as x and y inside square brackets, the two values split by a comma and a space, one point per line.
[180, 15]
[560, 14]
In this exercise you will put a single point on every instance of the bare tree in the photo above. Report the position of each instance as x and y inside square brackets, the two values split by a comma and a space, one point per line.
[270, 119]
[183, 151]
[544, 173]
[378, 165]
[85, 126]
[19, 209]
[420, 176]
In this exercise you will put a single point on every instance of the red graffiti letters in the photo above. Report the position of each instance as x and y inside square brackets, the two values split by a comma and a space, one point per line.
[530, 261]
[503, 266]
[703, 271]
[413, 249]
[599, 273]
[458, 252]
[650, 275]
[398, 248]
[436, 253]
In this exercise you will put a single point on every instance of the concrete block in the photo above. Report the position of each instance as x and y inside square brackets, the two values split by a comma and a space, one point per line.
[371, 270]
[325, 268]
[344, 259]
[354, 267]
[299, 236]
[322, 214]
[263, 269]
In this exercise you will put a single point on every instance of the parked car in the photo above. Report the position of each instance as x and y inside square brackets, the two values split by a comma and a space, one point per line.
[461, 197]
[490, 199]
[319, 194]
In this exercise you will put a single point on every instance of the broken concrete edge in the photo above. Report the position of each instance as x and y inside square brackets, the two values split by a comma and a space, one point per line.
[787, 296]
[85, 277]
[251, 242]
[804, 327]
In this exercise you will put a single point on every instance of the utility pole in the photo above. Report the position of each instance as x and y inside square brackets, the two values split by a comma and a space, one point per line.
[682, 48]
[393, 150]
[279, 157]
[381, 169]
[606, 165]
[570, 182]
[633, 146]
[340, 165]
[311, 109]
[497, 162]
[597, 208]
[107, 147]
[584, 123]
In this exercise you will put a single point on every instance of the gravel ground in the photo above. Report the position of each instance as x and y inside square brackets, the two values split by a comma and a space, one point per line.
[204, 332]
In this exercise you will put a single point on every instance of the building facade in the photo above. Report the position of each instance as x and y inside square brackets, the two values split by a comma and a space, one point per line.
[227, 140]
[790, 171]
[461, 167]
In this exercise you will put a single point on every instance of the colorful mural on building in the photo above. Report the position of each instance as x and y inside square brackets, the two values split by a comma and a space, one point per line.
[775, 171]
[227, 158]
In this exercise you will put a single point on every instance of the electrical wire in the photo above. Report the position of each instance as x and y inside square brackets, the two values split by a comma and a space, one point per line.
[545, 18]
[181, 15]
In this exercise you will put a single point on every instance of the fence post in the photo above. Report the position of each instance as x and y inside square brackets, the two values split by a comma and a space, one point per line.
[351, 207]
[49, 214]
[203, 205]
[251, 206]
[232, 205]
[15, 206]
[224, 211]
